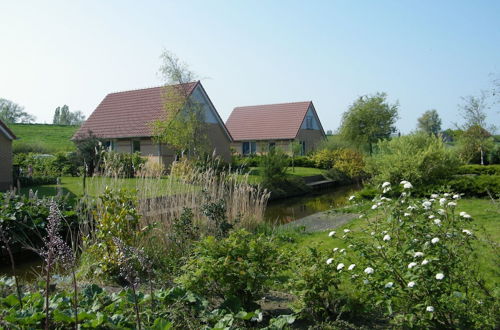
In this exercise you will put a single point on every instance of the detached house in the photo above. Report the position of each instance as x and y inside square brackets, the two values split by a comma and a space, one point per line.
[6, 138]
[255, 129]
[124, 120]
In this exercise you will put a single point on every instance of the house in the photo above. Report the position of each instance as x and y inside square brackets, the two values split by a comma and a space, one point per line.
[257, 128]
[6, 138]
[124, 121]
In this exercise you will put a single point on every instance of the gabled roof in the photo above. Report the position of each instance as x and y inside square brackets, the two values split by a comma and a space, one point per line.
[6, 131]
[130, 113]
[268, 122]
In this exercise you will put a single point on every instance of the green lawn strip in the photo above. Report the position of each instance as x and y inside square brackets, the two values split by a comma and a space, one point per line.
[254, 175]
[49, 138]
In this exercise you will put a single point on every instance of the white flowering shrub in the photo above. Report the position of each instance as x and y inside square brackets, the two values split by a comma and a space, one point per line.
[415, 259]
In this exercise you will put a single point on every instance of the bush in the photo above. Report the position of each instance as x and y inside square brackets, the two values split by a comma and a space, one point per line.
[273, 168]
[494, 155]
[479, 169]
[59, 164]
[324, 158]
[36, 180]
[419, 158]
[302, 161]
[236, 269]
[122, 164]
[344, 165]
[476, 185]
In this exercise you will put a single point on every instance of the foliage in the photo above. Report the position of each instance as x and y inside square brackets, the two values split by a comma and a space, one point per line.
[62, 116]
[11, 113]
[121, 164]
[368, 120]
[42, 138]
[346, 163]
[59, 164]
[476, 185]
[419, 158]
[479, 169]
[273, 167]
[474, 144]
[494, 155]
[337, 141]
[33, 181]
[416, 259]
[429, 122]
[89, 151]
[236, 269]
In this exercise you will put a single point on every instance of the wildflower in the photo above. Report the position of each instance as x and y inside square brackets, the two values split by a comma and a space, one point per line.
[369, 270]
[411, 207]
[387, 189]
[351, 266]
[403, 194]
[386, 238]
[434, 240]
[452, 204]
[404, 182]
[434, 196]
[456, 196]
[407, 214]
[429, 309]
[411, 265]
[350, 246]
[389, 285]
[335, 249]
[466, 231]
[418, 254]
[465, 215]
[366, 281]
[426, 204]
[331, 233]
[437, 222]
[439, 276]
[432, 216]
[441, 212]
[346, 231]
[340, 266]
[341, 251]
[386, 184]
[329, 261]
[374, 206]
[372, 233]
[411, 284]
[352, 197]
[446, 195]
[425, 262]
[407, 185]
[379, 247]
[442, 201]
[360, 216]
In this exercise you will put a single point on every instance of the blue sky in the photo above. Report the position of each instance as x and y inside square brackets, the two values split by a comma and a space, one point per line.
[425, 54]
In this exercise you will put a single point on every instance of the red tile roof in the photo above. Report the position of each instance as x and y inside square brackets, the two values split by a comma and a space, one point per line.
[130, 113]
[267, 122]
[6, 131]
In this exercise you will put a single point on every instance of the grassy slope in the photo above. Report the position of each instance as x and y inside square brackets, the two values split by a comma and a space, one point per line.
[254, 176]
[48, 138]
[486, 214]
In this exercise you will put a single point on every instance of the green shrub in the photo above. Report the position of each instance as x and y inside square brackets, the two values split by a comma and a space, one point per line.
[479, 169]
[37, 180]
[494, 155]
[324, 158]
[58, 164]
[476, 185]
[236, 269]
[122, 164]
[419, 158]
[343, 165]
[303, 161]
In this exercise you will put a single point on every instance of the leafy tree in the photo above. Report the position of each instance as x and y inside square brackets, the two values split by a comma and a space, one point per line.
[11, 112]
[369, 119]
[62, 116]
[183, 127]
[89, 150]
[430, 122]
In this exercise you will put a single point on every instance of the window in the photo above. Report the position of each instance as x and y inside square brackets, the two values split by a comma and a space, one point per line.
[109, 145]
[249, 148]
[309, 122]
[272, 145]
[136, 146]
[302, 148]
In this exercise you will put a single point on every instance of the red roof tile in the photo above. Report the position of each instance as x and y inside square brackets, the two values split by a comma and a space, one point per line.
[130, 113]
[6, 131]
[267, 122]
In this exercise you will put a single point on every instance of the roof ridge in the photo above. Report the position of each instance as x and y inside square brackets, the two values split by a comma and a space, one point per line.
[262, 105]
[154, 87]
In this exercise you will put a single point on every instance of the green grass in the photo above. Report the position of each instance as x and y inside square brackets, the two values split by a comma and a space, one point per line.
[43, 138]
[254, 176]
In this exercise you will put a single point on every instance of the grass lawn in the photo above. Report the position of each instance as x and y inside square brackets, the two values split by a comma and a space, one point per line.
[486, 215]
[254, 176]
[43, 138]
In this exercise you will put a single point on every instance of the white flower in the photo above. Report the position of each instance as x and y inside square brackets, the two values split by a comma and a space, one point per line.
[418, 254]
[407, 214]
[386, 238]
[456, 196]
[434, 240]
[403, 194]
[335, 250]
[379, 247]
[388, 285]
[346, 231]
[425, 262]
[452, 204]
[411, 265]
[386, 184]
[407, 185]
[431, 216]
[442, 201]
[372, 233]
[329, 261]
[366, 281]
[439, 276]
[465, 215]
[387, 189]
[403, 182]
[426, 204]
[446, 195]
[437, 222]
[350, 246]
[411, 284]
[332, 233]
[441, 211]
[411, 207]
[343, 250]
[369, 270]
[434, 196]
[340, 266]
[351, 267]
[466, 231]
[429, 309]
[374, 206]
[352, 197]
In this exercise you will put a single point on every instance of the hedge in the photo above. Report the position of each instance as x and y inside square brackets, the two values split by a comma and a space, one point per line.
[479, 169]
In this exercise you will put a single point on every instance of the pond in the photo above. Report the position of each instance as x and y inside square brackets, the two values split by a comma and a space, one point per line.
[291, 209]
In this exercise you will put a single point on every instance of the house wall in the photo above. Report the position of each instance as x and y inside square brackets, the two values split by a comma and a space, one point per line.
[5, 163]
[312, 138]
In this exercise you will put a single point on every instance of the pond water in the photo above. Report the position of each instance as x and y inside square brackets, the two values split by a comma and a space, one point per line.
[291, 209]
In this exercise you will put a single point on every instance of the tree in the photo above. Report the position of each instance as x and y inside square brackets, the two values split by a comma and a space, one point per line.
[430, 122]
[183, 127]
[476, 136]
[11, 113]
[62, 116]
[369, 119]
[296, 149]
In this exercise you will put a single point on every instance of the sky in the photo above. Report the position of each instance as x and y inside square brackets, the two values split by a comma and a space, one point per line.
[423, 54]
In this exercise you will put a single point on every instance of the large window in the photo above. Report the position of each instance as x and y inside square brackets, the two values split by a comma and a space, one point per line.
[136, 146]
[309, 122]
[302, 148]
[249, 148]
